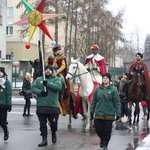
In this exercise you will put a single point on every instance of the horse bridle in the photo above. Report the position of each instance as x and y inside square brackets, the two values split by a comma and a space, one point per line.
[139, 81]
[74, 74]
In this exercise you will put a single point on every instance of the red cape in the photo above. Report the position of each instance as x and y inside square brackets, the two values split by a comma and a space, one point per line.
[78, 101]
[146, 74]
[100, 63]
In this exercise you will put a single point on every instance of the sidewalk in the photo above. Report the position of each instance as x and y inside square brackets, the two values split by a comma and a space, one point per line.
[21, 101]
[145, 145]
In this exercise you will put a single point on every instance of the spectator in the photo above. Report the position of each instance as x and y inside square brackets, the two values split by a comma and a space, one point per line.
[26, 88]
[5, 101]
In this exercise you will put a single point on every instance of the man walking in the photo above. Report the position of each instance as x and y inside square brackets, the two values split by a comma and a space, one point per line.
[47, 103]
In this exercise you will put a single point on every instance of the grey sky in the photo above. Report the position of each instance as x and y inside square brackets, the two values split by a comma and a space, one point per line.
[136, 18]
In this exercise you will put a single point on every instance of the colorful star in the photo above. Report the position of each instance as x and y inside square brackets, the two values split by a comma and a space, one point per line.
[37, 18]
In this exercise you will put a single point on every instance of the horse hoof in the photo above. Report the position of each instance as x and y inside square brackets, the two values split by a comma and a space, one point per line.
[69, 126]
[87, 128]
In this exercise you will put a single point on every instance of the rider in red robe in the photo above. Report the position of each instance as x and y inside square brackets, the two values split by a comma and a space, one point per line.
[97, 60]
[96, 63]
[139, 61]
[59, 64]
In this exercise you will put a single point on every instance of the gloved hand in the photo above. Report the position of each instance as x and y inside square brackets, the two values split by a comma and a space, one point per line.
[44, 82]
[91, 116]
[131, 73]
[88, 69]
[43, 93]
[117, 118]
[9, 108]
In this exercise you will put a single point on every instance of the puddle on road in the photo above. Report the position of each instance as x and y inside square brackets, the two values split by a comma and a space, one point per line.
[139, 133]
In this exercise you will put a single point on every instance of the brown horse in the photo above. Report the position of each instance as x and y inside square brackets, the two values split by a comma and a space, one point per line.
[135, 94]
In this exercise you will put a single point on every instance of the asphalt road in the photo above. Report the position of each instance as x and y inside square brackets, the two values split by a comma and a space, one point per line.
[25, 134]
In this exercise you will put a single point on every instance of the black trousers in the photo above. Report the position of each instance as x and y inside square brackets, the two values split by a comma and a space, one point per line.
[27, 106]
[103, 129]
[3, 119]
[53, 119]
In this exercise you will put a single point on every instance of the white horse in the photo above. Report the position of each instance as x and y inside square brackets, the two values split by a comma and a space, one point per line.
[76, 69]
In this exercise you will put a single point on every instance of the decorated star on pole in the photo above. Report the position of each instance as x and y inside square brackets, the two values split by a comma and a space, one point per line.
[36, 18]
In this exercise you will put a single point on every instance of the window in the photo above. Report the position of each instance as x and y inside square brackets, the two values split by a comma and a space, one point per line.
[10, 12]
[8, 56]
[9, 30]
[0, 19]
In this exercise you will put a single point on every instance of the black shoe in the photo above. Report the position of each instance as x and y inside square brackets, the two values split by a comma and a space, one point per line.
[43, 143]
[54, 138]
[101, 145]
[6, 136]
[24, 115]
[105, 148]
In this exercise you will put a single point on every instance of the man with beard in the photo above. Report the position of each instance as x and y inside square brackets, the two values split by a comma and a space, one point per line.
[47, 103]
[5, 101]
[59, 64]
[95, 64]
[133, 68]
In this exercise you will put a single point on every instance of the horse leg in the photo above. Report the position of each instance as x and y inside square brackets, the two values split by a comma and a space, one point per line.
[134, 117]
[148, 110]
[138, 113]
[85, 112]
[130, 113]
[88, 123]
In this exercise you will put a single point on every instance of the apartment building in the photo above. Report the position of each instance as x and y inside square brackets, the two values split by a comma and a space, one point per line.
[17, 45]
[3, 6]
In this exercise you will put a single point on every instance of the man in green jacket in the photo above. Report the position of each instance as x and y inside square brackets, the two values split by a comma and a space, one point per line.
[5, 101]
[105, 105]
[47, 103]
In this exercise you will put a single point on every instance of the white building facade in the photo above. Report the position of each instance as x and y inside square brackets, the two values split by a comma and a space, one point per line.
[3, 6]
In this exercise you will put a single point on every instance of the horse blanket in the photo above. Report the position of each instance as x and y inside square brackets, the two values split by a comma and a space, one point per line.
[78, 100]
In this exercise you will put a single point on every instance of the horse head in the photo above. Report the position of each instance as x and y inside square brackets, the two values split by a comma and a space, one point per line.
[138, 75]
[76, 69]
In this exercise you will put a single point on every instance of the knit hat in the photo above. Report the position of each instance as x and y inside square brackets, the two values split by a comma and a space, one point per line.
[2, 69]
[94, 47]
[108, 75]
[126, 74]
[140, 54]
[49, 67]
[56, 48]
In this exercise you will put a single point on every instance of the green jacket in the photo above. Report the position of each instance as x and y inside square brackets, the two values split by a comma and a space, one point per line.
[6, 95]
[53, 87]
[106, 103]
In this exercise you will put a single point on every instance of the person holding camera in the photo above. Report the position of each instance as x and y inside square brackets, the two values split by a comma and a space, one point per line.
[47, 103]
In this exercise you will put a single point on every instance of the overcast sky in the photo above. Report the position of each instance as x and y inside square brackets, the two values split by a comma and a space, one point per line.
[136, 17]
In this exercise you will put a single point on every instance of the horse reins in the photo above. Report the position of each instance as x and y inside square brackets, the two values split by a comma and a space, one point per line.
[74, 74]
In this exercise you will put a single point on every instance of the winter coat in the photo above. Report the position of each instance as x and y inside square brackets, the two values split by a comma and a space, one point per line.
[49, 103]
[121, 90]
[26, 88]
[6, 95]
[106, 103]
